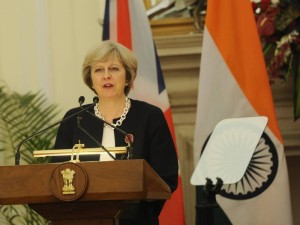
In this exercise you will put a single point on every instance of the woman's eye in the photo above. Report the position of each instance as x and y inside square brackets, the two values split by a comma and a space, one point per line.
[114, 69]
[98, 70]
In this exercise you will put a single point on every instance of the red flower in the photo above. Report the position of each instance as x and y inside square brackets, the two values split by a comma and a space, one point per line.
[266, 21]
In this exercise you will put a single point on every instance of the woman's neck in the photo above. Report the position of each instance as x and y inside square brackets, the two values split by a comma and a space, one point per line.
[111, 108]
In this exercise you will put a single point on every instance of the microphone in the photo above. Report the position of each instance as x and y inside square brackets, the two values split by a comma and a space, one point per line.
[81, 100]
[130, 147]
[95, 100]
[90, 136]
[18, 154]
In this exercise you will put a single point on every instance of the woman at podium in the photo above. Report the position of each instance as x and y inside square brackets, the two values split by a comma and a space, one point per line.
[109, 70]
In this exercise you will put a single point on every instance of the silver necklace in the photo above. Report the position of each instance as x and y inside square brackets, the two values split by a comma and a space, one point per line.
[122, 118]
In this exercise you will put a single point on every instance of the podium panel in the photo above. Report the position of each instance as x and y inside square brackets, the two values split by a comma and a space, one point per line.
[89, 192]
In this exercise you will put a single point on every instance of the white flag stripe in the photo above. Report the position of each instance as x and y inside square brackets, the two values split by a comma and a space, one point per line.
[224, 93]
[113, 31]
[145, 85]
[230, 75]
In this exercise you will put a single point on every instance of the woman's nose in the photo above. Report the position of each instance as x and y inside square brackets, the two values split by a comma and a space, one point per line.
[107, 74]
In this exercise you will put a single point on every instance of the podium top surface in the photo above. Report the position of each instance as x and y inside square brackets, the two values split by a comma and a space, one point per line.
[114, 180]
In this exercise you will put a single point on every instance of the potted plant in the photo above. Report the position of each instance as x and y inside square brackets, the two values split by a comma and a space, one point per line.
[20, 116]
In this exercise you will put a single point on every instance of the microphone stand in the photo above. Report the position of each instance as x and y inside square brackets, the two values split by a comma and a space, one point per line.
[18, 154]
[97, 142]
[205, 209]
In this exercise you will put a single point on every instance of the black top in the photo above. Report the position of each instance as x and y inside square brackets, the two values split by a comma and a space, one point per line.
[152, 142]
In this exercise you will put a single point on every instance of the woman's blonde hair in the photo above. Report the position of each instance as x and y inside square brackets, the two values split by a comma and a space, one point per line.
[101, 53]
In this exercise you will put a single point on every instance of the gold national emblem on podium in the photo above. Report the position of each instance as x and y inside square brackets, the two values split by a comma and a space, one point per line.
[68, 181]
[68, 177]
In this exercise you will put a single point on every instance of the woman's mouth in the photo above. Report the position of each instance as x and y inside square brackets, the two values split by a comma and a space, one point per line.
[107, 85]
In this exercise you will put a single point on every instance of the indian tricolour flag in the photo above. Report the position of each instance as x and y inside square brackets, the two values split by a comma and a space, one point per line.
[234, 83]
[126, 22]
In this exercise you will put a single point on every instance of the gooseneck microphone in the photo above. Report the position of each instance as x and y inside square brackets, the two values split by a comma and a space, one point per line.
[130, 147]
[92, 138]
[82, 99]
[18, 154]
[95, 100]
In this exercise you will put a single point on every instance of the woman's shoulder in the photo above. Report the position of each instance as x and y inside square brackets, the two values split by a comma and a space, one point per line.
[142, 105]
[146, 111]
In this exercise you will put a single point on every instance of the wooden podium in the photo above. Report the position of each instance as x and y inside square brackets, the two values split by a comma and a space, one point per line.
[85, 193]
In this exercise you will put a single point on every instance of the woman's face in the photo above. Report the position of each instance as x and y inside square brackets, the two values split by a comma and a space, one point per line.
[109, 78]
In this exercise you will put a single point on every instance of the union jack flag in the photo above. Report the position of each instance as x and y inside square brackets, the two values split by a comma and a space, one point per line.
[126, 22]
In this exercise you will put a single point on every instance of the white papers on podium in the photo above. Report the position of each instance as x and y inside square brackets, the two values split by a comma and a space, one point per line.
[229, 150]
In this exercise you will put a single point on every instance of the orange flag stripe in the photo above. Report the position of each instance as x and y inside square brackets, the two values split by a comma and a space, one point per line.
[248, 67]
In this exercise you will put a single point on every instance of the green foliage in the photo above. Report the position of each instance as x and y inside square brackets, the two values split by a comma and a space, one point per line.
[20, 215]
[20, 117]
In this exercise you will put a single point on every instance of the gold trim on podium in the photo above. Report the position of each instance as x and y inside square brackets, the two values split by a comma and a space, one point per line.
[83, 151]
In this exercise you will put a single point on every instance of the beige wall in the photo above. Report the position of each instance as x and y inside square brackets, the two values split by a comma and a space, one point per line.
[42, 45]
